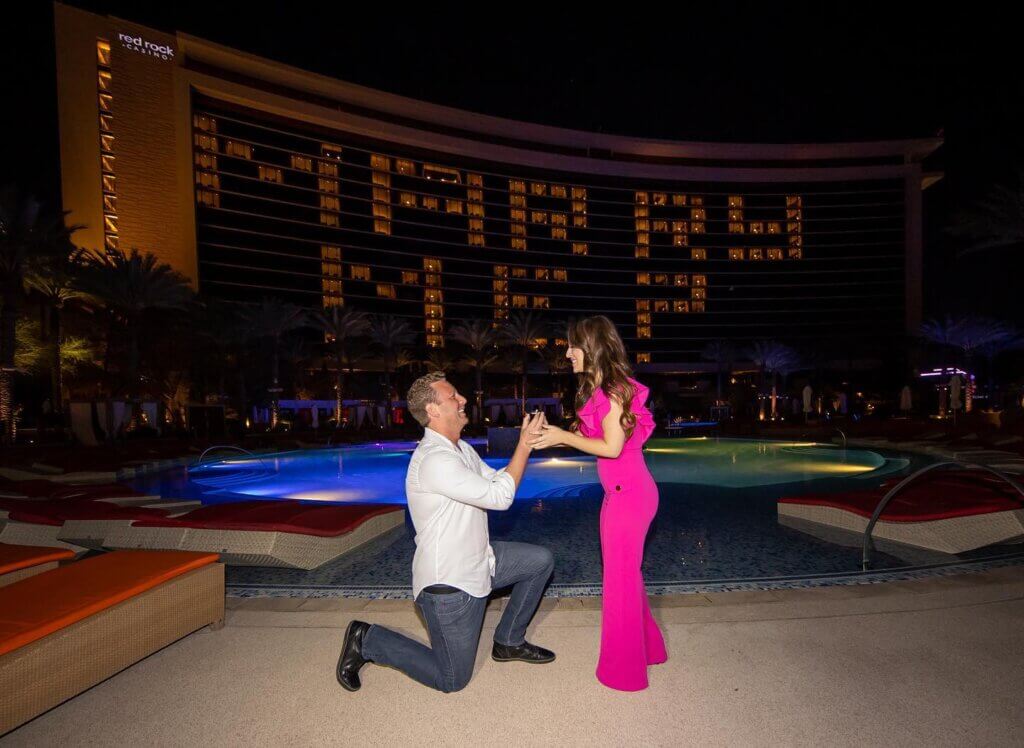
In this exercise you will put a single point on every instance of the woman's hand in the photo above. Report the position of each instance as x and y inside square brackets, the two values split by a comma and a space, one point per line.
[548, 436]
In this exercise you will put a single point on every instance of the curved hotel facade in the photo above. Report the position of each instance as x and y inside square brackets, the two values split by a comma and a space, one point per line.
[256, 179]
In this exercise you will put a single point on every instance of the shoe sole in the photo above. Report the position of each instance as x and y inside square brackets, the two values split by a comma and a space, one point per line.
[337, 668]
[520, 659]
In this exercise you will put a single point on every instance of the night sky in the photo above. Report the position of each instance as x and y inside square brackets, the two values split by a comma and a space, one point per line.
[746, 72]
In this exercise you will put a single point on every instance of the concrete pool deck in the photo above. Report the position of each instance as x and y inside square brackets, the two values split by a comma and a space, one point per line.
[938, 661]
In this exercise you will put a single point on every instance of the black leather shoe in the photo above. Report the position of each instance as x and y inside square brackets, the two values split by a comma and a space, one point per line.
[525, 652]
[351, 658]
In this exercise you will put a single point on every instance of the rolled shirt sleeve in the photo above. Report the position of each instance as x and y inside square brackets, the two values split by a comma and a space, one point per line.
[444, 473]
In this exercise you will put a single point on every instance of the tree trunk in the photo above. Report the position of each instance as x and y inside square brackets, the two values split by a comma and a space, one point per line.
[479, 392]
[56, 365]
[339, 390]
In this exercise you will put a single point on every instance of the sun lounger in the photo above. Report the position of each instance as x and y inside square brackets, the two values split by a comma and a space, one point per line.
[19, 562]
[266, 533]
[953, 512]
[65, 630]
[42, 523]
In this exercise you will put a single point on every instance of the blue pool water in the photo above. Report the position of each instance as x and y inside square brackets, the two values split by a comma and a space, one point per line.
[716, 520]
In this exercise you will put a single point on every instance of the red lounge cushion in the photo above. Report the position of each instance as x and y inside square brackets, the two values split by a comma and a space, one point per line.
[932, 497]
[55, 513]
[38, 606]
[275, 516]
[14, 557]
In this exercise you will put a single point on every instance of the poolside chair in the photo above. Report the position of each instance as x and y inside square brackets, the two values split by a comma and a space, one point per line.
[19, 562]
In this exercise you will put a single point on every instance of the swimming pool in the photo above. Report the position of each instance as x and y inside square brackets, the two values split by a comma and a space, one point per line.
[716, 522]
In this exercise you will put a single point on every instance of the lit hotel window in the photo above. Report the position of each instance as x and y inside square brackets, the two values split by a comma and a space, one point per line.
[516, 185]
[302, 163]
[643, 305]
[501, 271]
[475, 209]
[643, 237]
[453, 206]
[518, 272]
[661, 305]
[794, 201]
[359, 272]
[475, 180]
[380, 163]
[210, 199]
[106, 123]
[386, 290]
[643, 318]
[433, 311]
[431, 279]
[681, 279]
[500, 285]
[432, 264]
[736, 254]
[774, 253]
[110, 204]
[430, 203]
[441, 173]
[756, 227]
[794, 253]
[661, 279]
[558, 190]
[537, 188]
[558, 232]
[107, 162]
[103, 80]
[111, 242]
[500, 300]
[643, 331]
[330, 202]
[561, 274]
[519, 301]
[680, 305]
[643, 279]
[539, 216]
[109, 183]
[518, 244]
[559, 219]
[642, 224]
[541, 274]
[500, 314]
[579, 248]
[327, 169]
[330, 151]
[793, 227]
[239, 150]
[698, 254]
[332, 294]
[103, 53]
[659, 225]
[641, 198]
[643, 252]
[756, 253]
[697, 306]
[329, 219]
[204, 122]
[679, 200]
[206, 161]
[517, 201]
[735, 201]
[643, 358]
[405, 167]
[411, 276]
[270, 174]
[207, 179]
[698, 293]
[700, 280]
[330, 261]
[206, 142]
[326, 185]
[541, 302]
[435, 341]
[659, 198]
[434, 326]
[106, 102]
[736, 227]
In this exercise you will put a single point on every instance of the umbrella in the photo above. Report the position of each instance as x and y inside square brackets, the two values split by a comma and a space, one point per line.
[954, 393]
[905, 401]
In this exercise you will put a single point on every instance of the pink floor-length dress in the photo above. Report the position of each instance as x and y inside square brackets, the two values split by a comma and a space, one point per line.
[630, 637]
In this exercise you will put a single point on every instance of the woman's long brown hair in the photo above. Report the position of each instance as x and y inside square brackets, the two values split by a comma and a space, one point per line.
[604, 362]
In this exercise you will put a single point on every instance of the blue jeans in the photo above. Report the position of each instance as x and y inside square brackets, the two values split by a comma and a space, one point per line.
[454, 621]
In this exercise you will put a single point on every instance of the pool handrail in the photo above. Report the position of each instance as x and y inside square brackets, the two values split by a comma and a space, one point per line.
[206, 451]
[869, 545]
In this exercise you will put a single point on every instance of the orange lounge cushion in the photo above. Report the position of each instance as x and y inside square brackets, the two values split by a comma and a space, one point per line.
[327, 521]
[14, 557]
[48, 602]
[934, 496]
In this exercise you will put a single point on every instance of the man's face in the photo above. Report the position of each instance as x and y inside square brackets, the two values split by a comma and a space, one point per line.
[449, 412]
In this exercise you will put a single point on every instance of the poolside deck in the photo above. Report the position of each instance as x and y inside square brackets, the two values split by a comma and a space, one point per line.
[936, 661]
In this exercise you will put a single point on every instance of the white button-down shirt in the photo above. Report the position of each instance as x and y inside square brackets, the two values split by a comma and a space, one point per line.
[448, 488]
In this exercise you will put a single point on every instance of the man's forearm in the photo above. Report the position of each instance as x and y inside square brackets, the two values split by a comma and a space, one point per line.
[517, 465]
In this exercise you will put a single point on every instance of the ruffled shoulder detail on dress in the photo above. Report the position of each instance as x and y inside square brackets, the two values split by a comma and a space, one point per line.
[592, 414]
[644, 419]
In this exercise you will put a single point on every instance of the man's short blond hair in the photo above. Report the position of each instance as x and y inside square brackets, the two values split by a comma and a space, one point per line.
[422, 393]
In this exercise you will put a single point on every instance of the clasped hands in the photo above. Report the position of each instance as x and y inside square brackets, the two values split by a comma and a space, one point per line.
[537, 433]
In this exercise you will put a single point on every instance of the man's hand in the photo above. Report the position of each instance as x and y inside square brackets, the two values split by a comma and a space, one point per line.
[531, 425]
[548, 436]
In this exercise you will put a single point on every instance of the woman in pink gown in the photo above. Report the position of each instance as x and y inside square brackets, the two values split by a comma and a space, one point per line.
[613, 423]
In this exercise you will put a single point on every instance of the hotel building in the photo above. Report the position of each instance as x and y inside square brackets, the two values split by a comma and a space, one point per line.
[255, 179]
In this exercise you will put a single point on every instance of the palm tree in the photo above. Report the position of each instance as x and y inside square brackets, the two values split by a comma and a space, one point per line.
[340, 327]
[54, 278]
[520, 334]
[772, 358]
[479, 338]
[269, 321]
[130, 287]
[439, 360]
[994, 221]
[26, 236]
[723, 354]
[391, 336]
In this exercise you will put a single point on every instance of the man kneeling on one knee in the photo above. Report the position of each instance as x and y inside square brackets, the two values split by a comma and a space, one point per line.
[455, 567]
